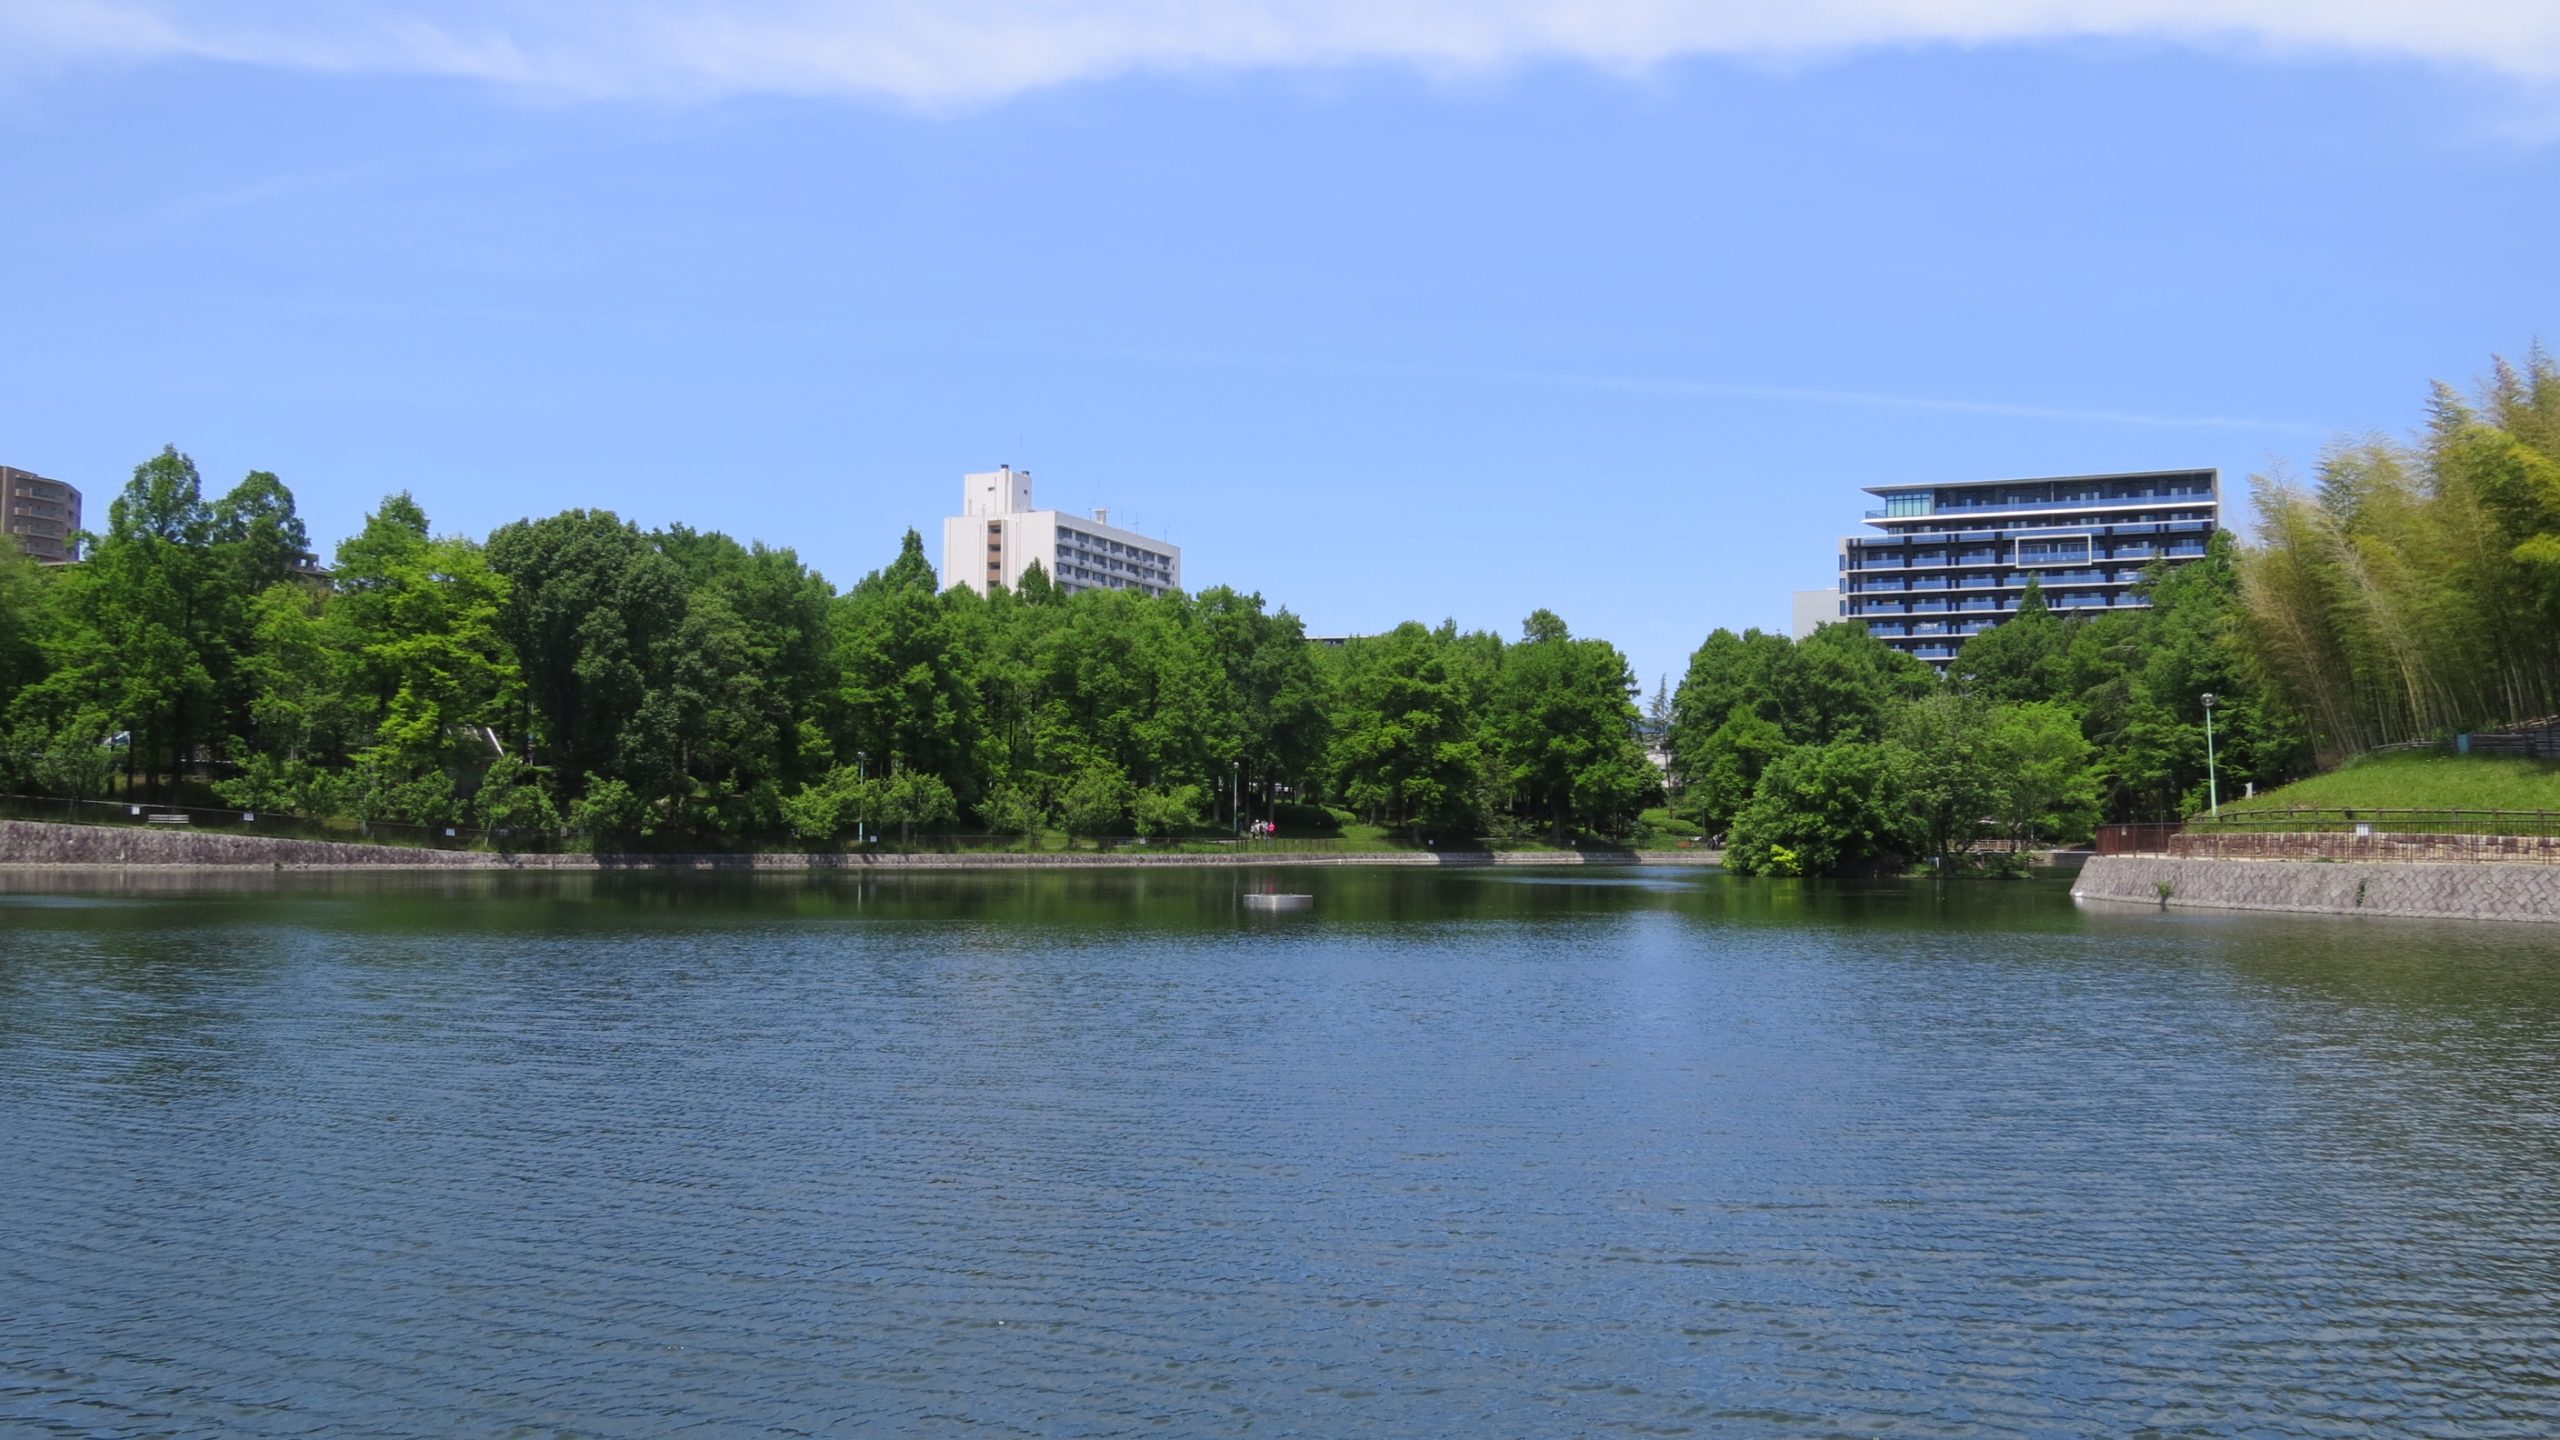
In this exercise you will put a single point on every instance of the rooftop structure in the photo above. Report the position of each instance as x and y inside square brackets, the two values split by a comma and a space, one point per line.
[1812, 610]
[1941, 562]
[41, 515]
[997, 535]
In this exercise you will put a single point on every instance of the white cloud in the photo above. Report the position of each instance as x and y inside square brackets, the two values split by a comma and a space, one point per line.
[941, 52]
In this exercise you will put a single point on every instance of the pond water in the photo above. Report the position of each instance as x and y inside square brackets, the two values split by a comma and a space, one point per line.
[1471, 1153]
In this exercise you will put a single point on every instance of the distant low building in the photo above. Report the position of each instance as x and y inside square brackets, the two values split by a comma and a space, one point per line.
[997, 535]
[1943, 562]
[41, 515]
[1813, 610]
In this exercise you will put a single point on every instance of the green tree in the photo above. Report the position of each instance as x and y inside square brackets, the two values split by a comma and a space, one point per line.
[1827, 810]
[1727, 674]
[1726, 768]
[1657, 713]
[1158, 813]
[1095, 801]
[593, 613]
[913, 798]
[2044, 777]
[1014, 810]
[412, 631]
[514, 804]
[2189, 647]
[141, 640]
[26, 623]
[908, 697]
[825, 808]
[1842, 683]
[1405, 750]
[2017, 660]
[764, 657]
[1275, 698]
[1948, 779]
[1749, 698]
[1564, 730]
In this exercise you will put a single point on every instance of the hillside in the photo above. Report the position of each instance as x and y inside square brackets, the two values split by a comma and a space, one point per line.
[2419, 780]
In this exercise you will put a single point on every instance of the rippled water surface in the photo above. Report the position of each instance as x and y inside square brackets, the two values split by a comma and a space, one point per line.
[1463, 1154]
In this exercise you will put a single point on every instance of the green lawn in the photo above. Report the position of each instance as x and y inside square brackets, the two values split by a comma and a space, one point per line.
[2420, 780]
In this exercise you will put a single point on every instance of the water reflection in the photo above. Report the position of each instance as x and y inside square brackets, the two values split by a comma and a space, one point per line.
[1079, 1152]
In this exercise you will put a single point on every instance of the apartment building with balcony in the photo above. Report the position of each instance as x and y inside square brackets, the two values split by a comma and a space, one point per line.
[41, 515]
[998, 533]
[1940, 563]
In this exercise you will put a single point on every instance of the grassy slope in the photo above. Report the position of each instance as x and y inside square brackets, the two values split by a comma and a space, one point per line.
[2418, 780]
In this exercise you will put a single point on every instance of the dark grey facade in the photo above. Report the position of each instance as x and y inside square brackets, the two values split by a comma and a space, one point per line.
[1941, 562]
[41, 515]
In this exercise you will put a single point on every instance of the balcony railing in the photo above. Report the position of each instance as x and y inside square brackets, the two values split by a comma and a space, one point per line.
[2148, 500]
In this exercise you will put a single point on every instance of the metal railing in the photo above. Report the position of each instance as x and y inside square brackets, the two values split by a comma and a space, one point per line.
[273, 826]
[2365, 820]
[2136, 838]
[2312, 833]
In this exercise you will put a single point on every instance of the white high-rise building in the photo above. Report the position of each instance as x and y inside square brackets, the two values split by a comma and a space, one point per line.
[997, 535]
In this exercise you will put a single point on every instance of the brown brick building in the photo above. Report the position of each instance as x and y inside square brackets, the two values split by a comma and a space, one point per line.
[40, 514]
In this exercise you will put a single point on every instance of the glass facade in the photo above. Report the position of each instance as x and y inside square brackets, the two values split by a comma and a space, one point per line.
[2085, 540]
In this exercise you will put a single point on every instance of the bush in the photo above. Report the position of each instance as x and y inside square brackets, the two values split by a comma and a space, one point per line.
[1826, 810]
[511, 798]
[1167, 812]
[1309, 821]
[1013, 810]
[609, 811]
[1095, 802]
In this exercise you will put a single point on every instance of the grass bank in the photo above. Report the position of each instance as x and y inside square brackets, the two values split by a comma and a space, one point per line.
[2419, 780]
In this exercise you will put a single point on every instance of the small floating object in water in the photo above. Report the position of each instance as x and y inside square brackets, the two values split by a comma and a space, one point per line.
[1263, 900]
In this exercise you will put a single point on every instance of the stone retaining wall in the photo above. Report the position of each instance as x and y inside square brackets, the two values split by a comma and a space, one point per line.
[37, 843]
[2391, 846]
[2433, 892]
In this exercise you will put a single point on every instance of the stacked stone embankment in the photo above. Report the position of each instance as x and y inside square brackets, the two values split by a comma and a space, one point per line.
[2455, 891]
[2395, 847]
[37, 843]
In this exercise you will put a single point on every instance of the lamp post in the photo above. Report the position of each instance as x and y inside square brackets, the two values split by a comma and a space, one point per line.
[861, 771]
[1235, 794]
[2212, 785]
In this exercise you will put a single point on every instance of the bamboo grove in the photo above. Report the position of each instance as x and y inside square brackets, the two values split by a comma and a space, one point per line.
[2413, 590]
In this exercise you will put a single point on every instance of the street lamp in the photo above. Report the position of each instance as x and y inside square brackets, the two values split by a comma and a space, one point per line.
[861, 771]
[1235, 794]
[2212, 786]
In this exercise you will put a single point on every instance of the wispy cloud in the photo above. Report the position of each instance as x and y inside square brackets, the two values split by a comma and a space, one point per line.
[1661, 385]
[1871, 400]
[950, 52]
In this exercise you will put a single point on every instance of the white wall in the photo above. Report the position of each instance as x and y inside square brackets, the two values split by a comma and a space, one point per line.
[1813, 608]
[1003, 496]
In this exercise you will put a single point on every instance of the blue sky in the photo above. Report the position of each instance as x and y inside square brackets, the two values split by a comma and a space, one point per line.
[1605, 308]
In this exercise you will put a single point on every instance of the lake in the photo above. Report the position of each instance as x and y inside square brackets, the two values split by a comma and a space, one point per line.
[1465, 1153]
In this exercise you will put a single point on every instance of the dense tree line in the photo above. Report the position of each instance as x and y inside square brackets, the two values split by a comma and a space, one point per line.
[576, 672]
[1836, 753]
[2414, 590]
[2412, 593]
